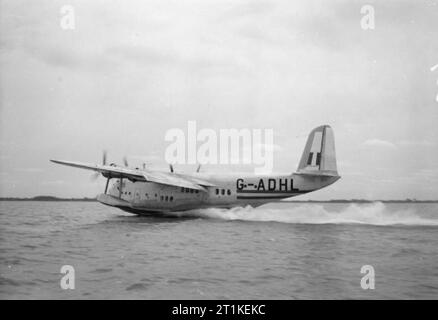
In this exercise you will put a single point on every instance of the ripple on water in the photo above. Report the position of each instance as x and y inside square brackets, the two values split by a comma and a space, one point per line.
[15, 283]
[138, 287]
[102, 270]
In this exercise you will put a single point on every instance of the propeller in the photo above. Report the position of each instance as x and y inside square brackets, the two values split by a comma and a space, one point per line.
[171, 168]
[199, 168]
[125, 161]
[96, 175]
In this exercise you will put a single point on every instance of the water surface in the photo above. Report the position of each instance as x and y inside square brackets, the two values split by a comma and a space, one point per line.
[282, 251]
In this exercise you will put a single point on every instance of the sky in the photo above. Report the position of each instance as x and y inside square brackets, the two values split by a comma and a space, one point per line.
[131, 70]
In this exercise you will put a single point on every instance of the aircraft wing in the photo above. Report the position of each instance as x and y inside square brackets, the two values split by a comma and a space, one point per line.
[171, 179]
[166, 178]
[111, 171]
[196, 180]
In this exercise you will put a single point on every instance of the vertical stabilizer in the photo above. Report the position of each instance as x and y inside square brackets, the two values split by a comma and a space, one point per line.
[319, 156]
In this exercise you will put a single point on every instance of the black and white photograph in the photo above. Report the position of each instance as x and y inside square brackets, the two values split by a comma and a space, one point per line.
[217, 150]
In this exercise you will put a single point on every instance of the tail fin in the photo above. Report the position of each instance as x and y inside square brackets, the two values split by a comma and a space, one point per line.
[319, 155]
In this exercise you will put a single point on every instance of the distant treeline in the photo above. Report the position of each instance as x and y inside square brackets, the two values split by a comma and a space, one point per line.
[47, 198]
[50, 198]
[363, 201]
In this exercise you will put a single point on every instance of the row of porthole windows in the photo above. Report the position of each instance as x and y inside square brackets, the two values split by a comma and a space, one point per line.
[166, 198]
[162, 198]
[188, 190]
[222, 192]
[126, 192]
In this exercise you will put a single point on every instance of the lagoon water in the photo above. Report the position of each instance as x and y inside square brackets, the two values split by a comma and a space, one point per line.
[281, 251]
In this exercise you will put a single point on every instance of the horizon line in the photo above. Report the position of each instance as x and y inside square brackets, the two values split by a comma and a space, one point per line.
[55, 198]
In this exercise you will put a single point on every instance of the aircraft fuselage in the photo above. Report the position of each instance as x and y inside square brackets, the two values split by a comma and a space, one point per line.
[231, 191]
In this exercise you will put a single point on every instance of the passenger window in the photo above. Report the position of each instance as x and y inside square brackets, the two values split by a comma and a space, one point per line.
[191, 190]
[229, 192]
[223, 191]
[167, 198]
[171, 198]
[161, 198]
[217, 191]
[196, 191]
[182, 189]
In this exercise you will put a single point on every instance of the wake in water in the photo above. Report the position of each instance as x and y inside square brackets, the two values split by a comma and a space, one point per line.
[372, 214]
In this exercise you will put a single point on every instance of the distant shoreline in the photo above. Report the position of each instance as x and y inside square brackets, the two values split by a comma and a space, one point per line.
[56, 199]
[47, 198]
[361, 201]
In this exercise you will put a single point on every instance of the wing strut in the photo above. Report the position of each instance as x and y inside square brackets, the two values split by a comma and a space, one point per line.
[106, 186]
